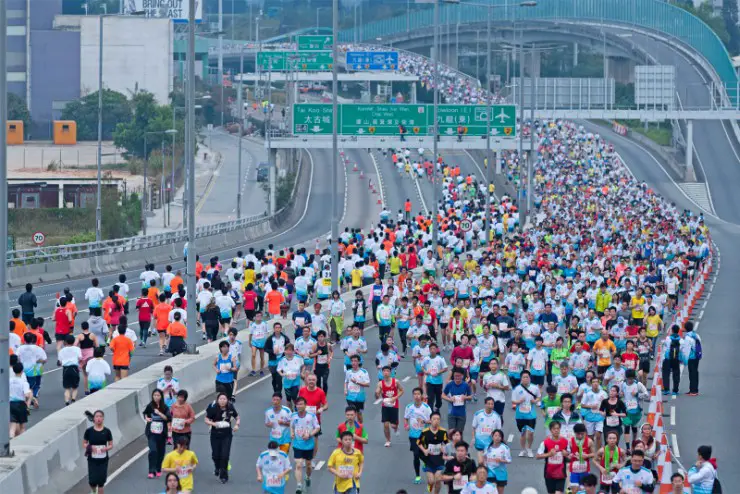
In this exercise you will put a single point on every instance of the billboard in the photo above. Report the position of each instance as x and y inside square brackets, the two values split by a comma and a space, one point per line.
[655, 86]
[177, 10]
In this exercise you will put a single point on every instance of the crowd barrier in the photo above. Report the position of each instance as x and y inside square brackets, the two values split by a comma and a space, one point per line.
[694, 291]
[48, 458]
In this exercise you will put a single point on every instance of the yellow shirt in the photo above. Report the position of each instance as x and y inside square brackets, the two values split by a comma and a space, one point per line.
[249, 276]
[638, 312]
[347, 465]
[603, 350]
[356, 278]
[470, 266]
[395, 264]
[184, 464]
[652, 326]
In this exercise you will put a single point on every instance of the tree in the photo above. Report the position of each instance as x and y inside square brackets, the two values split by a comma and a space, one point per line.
[146, 128]
[730, 16]
[706, 13]
[84, 111]
[17, 110]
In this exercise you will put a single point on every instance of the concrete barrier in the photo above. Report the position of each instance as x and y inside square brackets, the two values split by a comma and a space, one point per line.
[49, 458]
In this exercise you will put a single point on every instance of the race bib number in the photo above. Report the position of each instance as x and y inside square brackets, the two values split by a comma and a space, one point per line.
[278, 348]
[612, 421]
[433, 370]
[486, 431]
[224, 368]
[311, 410]
[98, 452]
[604, 354]
[183, 470]
[276, 433]
[538, 365]
[562, 388]
[579, 467]
[178, 424]
[631, 404]
[460, 483]
[156, 427]
[346, 471]
[274, 480]
[525, 407]
[291, 375]
[434, 449]
[322, 359]
[466, 363]
[556, 459]
[485, 352]
[389, 402]
[607, 478]
[458, 400]
[353, 387]
[551, 411]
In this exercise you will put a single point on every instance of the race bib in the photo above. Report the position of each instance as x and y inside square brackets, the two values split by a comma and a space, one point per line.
[525, 407]
[346, 471]
[322, 359]
[183, 470]
[311, 410]
[274, 480]
[224, 368]
[178, 424]
[562, 388]
[466, 362]
[353, 387]
[389, 402]
[556, 459]
[291, 375]
[631, 404]
[612, 421]
[276, 433]
[607, 478]
[551, 411]
[435, 449]
[458, 400]
[604, 354]
[485, 352]
[433, 370]
[486, 431]
[458, 484]
[538, 365]
[156, 427]
[98, 452]
[278, 348]
[579, 467]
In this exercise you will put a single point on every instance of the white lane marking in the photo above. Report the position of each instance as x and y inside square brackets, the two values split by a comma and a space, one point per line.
[381, 187]
[421, 196]
[701, 314]
[674, 442]
[673, 397]
[346, 185]
[319, 465]
[673, 415]
[510, 438]
[406, 379]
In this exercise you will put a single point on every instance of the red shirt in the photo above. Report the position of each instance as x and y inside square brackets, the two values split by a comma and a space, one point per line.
[63, 325]
[389, 392]
[315, 398]
[555, 465]
[250, 299]
[630, 360]
[145, 308]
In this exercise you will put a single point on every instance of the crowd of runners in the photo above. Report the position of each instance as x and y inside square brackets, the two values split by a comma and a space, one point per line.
[553, 328]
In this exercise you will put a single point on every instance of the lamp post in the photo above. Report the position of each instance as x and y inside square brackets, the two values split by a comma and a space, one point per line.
[317, 18]
[190, 164]
[334, 149]
[241, 133]
[4, 305]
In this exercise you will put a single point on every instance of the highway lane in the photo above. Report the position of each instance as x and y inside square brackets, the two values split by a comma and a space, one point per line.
[718, 160]
[221, 206]
[386, 469]
[708, 418]
[313, 224]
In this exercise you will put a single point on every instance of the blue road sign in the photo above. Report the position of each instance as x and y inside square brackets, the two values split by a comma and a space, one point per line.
[372, 60]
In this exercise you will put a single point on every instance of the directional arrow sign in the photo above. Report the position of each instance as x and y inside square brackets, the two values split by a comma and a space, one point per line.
[281, 61]
[315, 42]
[312, 119]
[372, 60]
[474, 118]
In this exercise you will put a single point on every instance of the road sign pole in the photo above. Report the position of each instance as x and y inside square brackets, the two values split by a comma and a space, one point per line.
[241, 132]
[190, 163]
[334, 151]
[532, 150]
[434, 130]
[520, 144]
[488, 131]
[4, 305]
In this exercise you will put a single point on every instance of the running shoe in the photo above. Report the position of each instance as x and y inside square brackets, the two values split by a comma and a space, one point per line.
[417, 480]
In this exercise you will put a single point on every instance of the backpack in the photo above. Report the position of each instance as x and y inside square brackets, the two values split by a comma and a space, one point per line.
[716, 487]
[698, 351]
[674, 351]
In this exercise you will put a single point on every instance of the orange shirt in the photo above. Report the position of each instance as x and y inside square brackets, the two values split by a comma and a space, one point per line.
[38, 336]
[20, 328]
[274, 299]
[107, 307]
[161, 314]
[177, 328]
[176, 281]
[122, 347]
[198, 269]
[153, 295]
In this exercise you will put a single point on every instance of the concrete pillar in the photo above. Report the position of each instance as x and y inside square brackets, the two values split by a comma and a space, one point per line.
[273, 180]
[575, 54]
[621, 69]
[60, 201]
[527, 60]
[453, 60]
[690, 175]
[413, 92]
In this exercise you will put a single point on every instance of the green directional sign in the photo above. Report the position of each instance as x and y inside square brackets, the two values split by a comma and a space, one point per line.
[385, 119]
[281, 61]
[312, 119]
[473, 120]
[315, 42]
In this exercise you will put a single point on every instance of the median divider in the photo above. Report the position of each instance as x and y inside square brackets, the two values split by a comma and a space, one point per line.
[48, 458]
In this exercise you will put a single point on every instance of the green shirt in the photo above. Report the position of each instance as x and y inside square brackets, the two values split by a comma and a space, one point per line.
[559, 354]
[550, 406]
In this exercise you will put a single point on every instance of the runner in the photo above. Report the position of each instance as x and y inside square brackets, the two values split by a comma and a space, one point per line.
[389, 390]
[346, 464]
[524, 398]
[219, 416]
[416, 417]
[431, 443]
[182, 462]
[324, 356]
[273, 468]
[481, 484]
[20, 397]
[277, 419]
[257, 338]
[459, 469]
[96, 443]
[356, 379]
[304, 428]
[315, 403]
[485, 422]
[554, 451]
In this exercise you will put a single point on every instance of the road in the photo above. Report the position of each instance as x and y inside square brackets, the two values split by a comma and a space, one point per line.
[313, 221]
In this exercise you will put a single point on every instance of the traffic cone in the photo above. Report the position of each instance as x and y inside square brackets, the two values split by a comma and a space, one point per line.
[362, 175]
[665, 475]
[380, 203]
[354, 168]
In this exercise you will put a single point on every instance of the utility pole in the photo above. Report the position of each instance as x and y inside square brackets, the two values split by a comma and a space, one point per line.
[4, 305]
[435, 185]
[241, 133]
[221, 55]
[488, 127]
[190, 163]
[334, 149]
[99, 199]
[532, 150]
[520, 143]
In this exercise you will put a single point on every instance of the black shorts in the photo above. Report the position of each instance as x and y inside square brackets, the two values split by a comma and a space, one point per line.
[644, 366]
[70, 377]
[389, 414]
[601, 369]
[498, 483]
[303, 454]
[485, 367]
[225, 320]
[145, 325]
[554, 485]
[538, 380]
[97, 472]
[522, 423]
[18, 412]
[120, 367]
[358, 405]
[291, 394]
[250, 314]
[60, 337]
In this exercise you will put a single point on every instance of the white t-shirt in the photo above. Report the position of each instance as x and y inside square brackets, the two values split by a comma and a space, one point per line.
[70, 355]
[18, 388]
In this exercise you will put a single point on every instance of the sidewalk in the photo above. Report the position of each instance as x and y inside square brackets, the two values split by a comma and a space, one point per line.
[207, 166]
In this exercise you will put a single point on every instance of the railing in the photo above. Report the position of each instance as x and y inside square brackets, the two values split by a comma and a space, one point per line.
[111, 247]
[654, 15]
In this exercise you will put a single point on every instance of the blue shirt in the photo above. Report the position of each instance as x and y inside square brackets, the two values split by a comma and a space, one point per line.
[451, 390]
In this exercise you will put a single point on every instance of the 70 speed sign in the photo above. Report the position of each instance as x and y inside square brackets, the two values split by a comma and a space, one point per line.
[466, 225]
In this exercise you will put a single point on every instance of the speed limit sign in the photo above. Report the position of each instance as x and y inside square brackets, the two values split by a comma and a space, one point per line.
[38, 238]
[466, 225]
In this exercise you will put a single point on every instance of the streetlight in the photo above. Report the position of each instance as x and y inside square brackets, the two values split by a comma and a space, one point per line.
[146, 165]
[99, 200]
[317, 17]
[190, 164]
[334, 148]
[4, 304]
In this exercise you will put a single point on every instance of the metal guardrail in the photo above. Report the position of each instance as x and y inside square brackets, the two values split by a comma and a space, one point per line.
[116, 246]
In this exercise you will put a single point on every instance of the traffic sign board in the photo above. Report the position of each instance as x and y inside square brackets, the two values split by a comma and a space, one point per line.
[281, 61]
[473, 120]
[38, 238]
[315, 42]
[466, 225]
[372, 60]
[384, 120]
